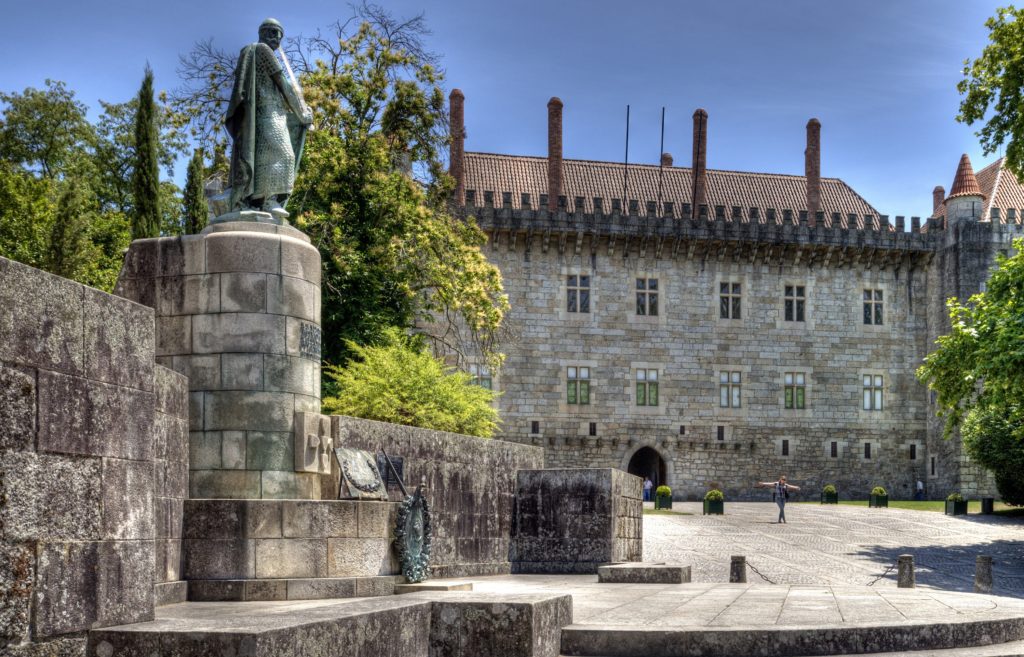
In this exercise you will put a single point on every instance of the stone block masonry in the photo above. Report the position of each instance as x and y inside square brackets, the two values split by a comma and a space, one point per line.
[93, 463]
[238, 313]
[573, 521]
[470, 484]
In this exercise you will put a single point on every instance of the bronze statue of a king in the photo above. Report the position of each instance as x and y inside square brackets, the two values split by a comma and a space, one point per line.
[267, 120]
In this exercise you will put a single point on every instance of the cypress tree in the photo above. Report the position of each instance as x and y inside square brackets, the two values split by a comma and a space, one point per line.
[146, 174]
[194, 201]
[70, 250]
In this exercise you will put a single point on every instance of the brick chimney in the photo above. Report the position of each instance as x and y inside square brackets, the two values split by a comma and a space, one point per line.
[456, 160]
[938, 196]
[812, 170]
[554, 152]
[666, 159]
[700, 149]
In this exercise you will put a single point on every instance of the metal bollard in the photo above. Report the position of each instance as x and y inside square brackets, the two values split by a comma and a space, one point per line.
[905, 574]
[983, 574]
[738, 570]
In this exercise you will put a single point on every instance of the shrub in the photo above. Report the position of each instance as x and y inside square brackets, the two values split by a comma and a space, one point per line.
[954, 497]
[402, 383]
[663, 490]
[829, 489]
[714, 495]
[878, 490]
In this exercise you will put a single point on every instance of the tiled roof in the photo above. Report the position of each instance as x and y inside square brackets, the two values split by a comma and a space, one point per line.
[1000, 189]
[964, 183]
[528, 175]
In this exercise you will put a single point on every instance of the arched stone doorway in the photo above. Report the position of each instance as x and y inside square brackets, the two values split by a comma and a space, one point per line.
[647, 462]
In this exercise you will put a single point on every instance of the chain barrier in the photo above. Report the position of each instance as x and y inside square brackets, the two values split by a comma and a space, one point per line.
[759, 573]
[887, 571]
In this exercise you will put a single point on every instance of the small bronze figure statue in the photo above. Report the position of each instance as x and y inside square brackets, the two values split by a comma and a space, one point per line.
[267, 120]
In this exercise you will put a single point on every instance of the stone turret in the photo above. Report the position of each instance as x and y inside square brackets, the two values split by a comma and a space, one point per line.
[456, 160]
[554, 152]
[700, 151]
[812, 170]
[965, 198]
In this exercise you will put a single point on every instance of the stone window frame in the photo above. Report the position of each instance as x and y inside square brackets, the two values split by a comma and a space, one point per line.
[731, 277]
[644, 294]
[933, 467]
[873, 300]
[809, 283]
[745, 391]
[564, 407]
[730, 389]
[730, 300]
[579, 268]
[872, 383]
[876, 450]
[630, 302]
[794, 303]
[577, 385]
[826, 447]
[634, 407]
[481, 375]
[577, 293]
[795, 380]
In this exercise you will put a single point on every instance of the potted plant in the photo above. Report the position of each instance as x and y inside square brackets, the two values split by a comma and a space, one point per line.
[714, 502]
[956, 505]
[663, 497]
[829, 495]
[879, 498]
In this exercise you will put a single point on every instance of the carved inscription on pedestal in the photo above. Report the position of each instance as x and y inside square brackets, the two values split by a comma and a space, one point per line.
[309, 341]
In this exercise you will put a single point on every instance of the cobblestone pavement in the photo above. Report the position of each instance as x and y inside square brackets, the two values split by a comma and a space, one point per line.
[839, 545]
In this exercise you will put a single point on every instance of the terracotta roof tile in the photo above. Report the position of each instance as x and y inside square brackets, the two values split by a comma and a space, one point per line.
[964, 183]
[1001, 191]
[587, 178]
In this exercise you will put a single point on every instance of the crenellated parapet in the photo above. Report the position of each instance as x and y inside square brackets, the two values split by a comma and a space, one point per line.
[665, 230]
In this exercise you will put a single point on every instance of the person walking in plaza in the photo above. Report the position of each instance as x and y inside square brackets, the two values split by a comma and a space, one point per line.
[648, 485]
[780, 494]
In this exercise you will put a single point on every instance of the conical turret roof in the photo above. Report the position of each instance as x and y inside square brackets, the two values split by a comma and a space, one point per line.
[965, 184]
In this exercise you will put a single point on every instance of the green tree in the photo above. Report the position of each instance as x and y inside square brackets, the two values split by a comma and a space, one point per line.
[70, 252]
[372, 192]
[146, 217]
[400, 381]
[993, 89]
[977, 372]
[45, 131]
[27, 208]
[193, 207]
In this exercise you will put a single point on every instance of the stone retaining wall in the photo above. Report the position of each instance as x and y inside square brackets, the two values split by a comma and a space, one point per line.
[82, 466]
[469, 482]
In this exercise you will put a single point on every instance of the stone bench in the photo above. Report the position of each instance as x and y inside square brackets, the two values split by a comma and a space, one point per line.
[643, 573]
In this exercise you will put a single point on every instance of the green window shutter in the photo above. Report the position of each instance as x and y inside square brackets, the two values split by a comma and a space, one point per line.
[799, 397]
[584, 392]
[641, 396]
[570, 392]
[652, 394]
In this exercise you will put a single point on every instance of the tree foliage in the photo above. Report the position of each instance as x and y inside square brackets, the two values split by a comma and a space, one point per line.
[400, 381]
[372, 192]
[64, 183]
[146, 217]
[194, 212]
[977, 372]
[993, 87]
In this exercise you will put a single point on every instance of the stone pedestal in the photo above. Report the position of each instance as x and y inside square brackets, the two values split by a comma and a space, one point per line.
[573, 521]
[238, 313]
[288, 550]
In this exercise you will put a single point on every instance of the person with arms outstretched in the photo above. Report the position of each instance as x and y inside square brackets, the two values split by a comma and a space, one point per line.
[780, 494]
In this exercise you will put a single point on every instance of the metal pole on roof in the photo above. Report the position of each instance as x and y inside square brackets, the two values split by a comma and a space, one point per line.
[625, 170]
[661, 158]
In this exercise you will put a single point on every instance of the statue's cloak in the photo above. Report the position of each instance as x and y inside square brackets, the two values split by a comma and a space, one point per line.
[262, 129]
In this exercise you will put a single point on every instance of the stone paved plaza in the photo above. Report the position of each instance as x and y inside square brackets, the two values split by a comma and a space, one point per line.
[839, 545]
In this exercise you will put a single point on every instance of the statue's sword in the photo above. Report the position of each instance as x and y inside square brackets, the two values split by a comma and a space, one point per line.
[302, 105]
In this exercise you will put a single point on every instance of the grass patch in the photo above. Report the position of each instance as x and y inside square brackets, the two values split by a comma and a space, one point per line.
[665, 512]
[973, 506]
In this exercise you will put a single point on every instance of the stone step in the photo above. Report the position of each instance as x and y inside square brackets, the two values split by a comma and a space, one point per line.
[1011, 649]
[449, 623]
[819, 641]
[643, 573]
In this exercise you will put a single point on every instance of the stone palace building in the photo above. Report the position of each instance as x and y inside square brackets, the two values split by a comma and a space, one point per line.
[713, 327]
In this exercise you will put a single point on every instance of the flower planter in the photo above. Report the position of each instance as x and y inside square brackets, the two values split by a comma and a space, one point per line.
[830, 498]
[879, 501]
[714, 507]
[956, 508]
[662, 501]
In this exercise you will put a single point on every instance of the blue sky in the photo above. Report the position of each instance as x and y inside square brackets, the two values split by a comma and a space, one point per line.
[880, 75]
